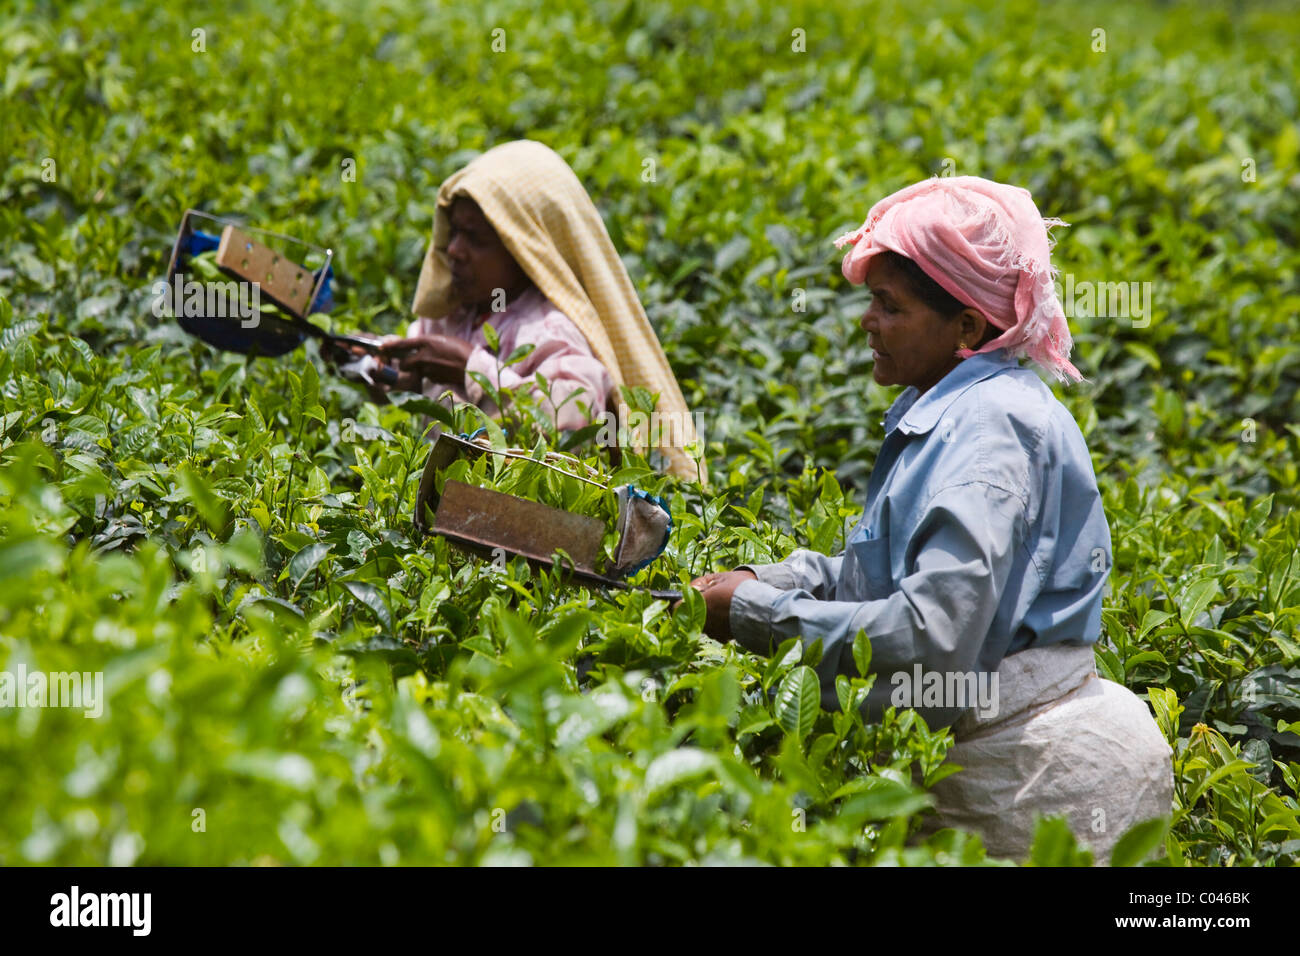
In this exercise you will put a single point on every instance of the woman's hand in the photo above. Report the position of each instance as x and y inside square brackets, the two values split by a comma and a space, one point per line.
[438, 358]
[386, 378]
[717, 589]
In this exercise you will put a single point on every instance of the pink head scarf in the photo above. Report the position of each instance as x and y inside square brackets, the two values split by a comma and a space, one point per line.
[986, 244]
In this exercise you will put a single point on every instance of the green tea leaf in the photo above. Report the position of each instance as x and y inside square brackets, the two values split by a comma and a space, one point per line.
[862, 653]
[306, 561]
[1138, 842]
[798, 701]
[370, 596]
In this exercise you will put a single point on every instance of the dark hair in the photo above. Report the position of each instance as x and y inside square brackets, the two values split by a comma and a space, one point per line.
[922, 286]
[933, 294]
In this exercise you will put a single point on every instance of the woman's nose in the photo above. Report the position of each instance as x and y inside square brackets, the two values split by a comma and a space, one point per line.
[456, 249]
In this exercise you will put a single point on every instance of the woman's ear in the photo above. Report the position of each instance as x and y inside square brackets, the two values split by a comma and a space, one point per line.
[974, 328]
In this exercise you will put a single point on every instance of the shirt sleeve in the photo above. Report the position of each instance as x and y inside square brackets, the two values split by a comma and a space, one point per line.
[962, 552]
[807, 570]
[562, 355]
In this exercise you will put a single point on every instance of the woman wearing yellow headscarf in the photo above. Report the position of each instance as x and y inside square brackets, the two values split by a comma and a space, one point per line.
[518, 243]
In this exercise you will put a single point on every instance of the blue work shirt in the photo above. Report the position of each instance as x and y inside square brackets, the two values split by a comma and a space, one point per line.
[982, 535]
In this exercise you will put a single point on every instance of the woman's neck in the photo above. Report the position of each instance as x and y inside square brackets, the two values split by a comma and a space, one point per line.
[483, 311]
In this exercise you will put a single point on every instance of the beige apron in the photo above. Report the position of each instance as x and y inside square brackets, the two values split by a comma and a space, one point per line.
[1063, 742]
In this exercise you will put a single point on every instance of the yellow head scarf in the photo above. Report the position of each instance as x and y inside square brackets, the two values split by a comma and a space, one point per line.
[550, 225]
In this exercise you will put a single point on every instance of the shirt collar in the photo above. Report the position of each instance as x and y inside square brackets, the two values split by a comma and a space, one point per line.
[919, 415]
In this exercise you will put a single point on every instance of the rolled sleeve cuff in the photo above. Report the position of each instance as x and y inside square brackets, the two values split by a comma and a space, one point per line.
[751, 613]
[780, 576]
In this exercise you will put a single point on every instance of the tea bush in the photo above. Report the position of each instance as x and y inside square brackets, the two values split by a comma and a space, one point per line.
[292, 673]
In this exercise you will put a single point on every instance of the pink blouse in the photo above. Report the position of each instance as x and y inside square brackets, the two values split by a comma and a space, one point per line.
[560, 353]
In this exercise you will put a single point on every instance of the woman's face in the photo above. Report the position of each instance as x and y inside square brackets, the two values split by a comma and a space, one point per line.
[911, 343]
[480, 262]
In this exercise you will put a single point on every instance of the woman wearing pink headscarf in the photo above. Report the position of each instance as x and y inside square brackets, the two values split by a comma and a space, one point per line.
[979, 565]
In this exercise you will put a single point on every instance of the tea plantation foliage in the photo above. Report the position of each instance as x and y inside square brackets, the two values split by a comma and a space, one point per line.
[292, 674]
